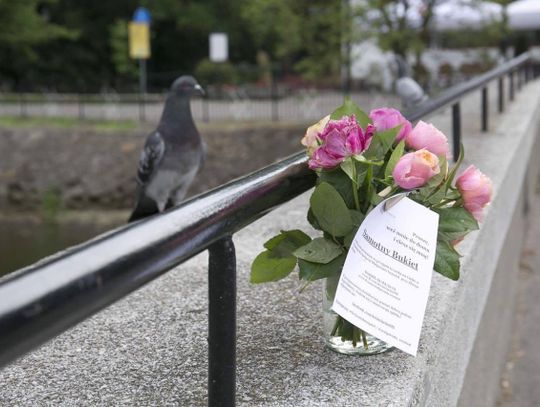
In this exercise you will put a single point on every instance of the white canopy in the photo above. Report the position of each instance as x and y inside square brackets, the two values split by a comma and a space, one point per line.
[456, 14]
[524, 15]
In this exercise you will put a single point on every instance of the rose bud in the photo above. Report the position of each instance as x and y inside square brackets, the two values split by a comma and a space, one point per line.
[414, 169]
[425, 135]
[387, 118]
[311, 139]
[476, 190]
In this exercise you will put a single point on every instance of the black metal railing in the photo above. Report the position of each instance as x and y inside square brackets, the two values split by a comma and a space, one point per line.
[42, 301]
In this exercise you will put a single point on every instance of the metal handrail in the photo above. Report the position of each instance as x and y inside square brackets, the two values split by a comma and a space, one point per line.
[45, 299]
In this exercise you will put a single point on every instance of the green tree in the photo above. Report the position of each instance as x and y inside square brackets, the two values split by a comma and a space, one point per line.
[24, 25]
[391, 25]
[119, 44]
[302, 35]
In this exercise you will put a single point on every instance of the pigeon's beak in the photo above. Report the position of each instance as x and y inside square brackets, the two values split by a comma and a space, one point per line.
[200, 89]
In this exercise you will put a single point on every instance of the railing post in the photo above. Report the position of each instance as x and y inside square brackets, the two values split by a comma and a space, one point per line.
[222, 324]
[456, 129]
[511, 85]
[23, 112]
[142, 110]
[80, 104]
[206, 109]
[485, 109]
[501, 94]
[274, 101]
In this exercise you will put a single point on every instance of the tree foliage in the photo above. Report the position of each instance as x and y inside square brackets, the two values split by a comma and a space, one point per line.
[78, 46]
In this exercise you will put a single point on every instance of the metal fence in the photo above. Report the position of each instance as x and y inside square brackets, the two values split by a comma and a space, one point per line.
[45, 299]
[234, 104]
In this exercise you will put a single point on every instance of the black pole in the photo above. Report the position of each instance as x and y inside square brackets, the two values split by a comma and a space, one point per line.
[274, 97]
[484, 109]
[206, 109]
[22, 105]
[511, 86]
[142, 89]
[222, 324]
[501, 94]
[456, 129]
[81, 107]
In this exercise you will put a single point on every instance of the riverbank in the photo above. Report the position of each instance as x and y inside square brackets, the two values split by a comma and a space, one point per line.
[52, 167]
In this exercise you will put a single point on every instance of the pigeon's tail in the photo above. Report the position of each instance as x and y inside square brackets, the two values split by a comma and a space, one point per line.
[145, 207]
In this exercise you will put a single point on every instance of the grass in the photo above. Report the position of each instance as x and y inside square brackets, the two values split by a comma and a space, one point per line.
[67, 123]
[126, 125]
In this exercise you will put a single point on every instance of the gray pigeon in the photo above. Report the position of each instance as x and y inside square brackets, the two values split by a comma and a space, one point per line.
[172, 155]
[410, 92]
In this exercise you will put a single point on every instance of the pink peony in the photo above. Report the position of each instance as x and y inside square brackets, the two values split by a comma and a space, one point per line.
[311, 139]
[414, 169]
[386, 118]
[425, 135]
[340, 139]
[476, 190]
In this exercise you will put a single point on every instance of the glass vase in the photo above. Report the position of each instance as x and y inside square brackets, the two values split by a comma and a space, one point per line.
[340, 335]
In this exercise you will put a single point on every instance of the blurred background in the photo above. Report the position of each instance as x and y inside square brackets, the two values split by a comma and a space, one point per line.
[82, 83]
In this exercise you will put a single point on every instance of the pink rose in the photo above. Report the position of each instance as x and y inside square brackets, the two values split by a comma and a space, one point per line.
[425, 135]
[387, 118]
[311, 139]
[415, 169]
[476, 190]
[340, 139]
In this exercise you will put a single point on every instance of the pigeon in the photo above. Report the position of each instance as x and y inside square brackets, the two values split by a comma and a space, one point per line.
[172, 155]
[410, 92]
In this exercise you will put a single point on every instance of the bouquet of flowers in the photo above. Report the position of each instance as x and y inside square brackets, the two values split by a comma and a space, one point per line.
[360, 160]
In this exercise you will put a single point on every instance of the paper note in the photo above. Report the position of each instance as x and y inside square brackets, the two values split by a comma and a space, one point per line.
[385, 282]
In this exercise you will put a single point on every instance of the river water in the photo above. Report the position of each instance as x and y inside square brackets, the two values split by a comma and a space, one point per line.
[25, 239]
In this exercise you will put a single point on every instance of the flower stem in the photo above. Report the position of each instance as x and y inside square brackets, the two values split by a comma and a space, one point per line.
[364, 340]
[355, 188]
[336, 326]
[369, 177]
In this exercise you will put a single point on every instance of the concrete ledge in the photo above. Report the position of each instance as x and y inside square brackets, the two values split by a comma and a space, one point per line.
[150, 349]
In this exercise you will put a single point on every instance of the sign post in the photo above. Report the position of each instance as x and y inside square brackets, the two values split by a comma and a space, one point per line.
[139, 42]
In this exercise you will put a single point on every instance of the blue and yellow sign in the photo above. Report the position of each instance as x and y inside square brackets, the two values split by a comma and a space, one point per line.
[139, 34]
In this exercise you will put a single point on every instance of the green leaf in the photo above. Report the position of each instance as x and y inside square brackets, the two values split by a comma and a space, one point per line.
[452, 220]
[341, 182]
[361, 159]
[454, 169]
[331, 286]
[330, 210]
[450, 236]
[349, 168]
[453, 194]
[287, 242]
[319, 250]
[394, 158]
[348, 108]
[382, 142]
[375, 199]
[314, 271]
[267, 267]
[357, 218]
[312, 220]
[437, 179]
[447, 261]
[347, 240]
[435, 190]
